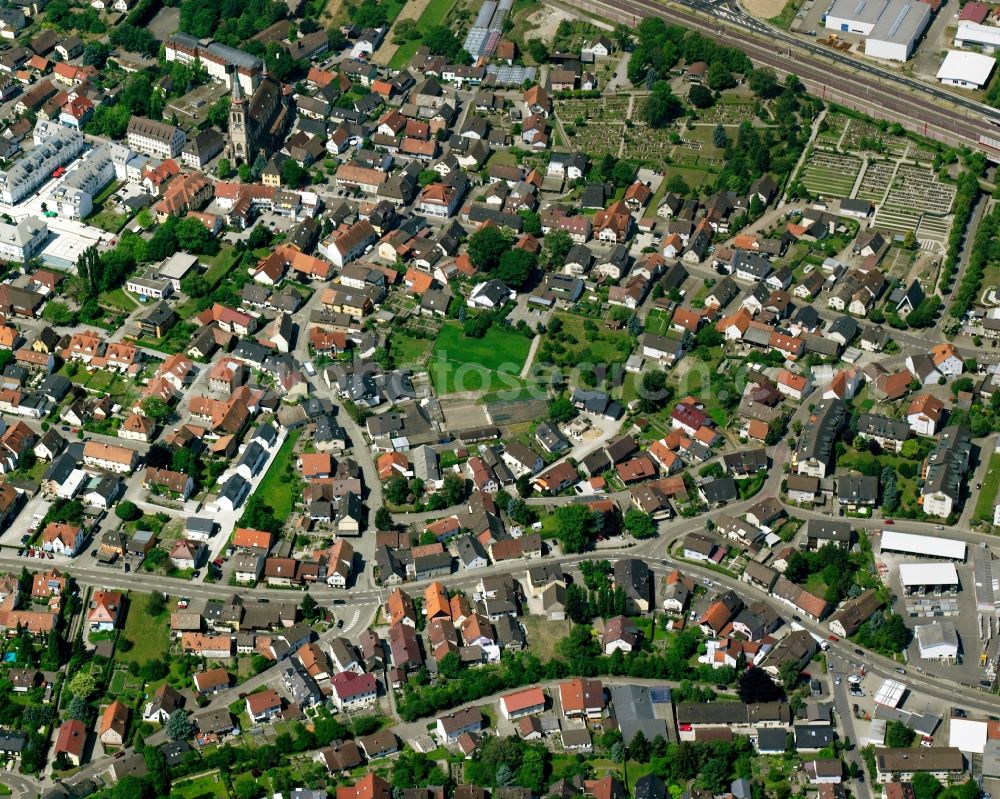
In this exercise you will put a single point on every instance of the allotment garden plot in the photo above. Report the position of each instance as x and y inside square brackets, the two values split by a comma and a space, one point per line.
[830, 174]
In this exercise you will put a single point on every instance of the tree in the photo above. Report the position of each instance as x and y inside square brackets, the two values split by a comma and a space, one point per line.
[157, 770]
[700, 96]
[654, 393]
[225, 169]
[196, 286]
[258, 166]
[677, 185]
[763, 82]
[454, 489]
[156, 604]
[450, 666]
[82, 684]
[383, 519]
[574, 525]
[515, 268]
[428, 176]
[638, 524]
[128, 511]
[720, 140]
[719, 77]
[58, 313]
[258, 515]
[180, 726]
[293, 176]
[477, 326]
[396, 490]
[441, 41]
[78, 709]
[755, 685]
[532, 221]
[156, 409]
[561, 409]
[925, 786]
[557, 246]
[898, 735]
[95, 54]
[194, 237]
[623, 173]
[184, 461]
[537, 50]
[247, 788]
[487, 246]
[310, 608]
[788, 673]
[129, 787]
[662, 107]
[622, 36]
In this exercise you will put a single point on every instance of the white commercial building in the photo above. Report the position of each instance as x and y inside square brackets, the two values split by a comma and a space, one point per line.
[23, 241]
[919, 575]
[923, 545]
[892, 27]
[968, 735]
[965, 69]
[937, 640]
[983, 37]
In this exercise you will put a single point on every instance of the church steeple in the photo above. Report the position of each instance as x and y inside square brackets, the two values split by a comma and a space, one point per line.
[239, 147]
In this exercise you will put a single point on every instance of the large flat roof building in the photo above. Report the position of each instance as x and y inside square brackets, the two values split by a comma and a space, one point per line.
[915, 575]
[892, 27]
[924, 545]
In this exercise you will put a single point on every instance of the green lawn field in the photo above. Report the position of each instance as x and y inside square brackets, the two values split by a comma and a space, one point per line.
[460, 363]
[273, 489]
[150, 636]
[988, 495]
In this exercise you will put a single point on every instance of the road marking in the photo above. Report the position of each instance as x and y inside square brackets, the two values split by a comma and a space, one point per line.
[354, 620]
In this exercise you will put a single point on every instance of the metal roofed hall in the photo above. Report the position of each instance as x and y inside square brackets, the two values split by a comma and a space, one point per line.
[911, 574]
[928, 546]
[890, 693]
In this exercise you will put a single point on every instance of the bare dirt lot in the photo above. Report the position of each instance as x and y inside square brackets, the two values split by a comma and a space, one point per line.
[763, 9]
[542, 24]
[412, 10]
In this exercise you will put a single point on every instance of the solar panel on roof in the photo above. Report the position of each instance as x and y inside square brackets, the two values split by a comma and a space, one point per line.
[660, 695]
[894, 28]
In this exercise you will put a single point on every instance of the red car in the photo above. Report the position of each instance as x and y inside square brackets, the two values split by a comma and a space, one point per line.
[833, 638]
[889, 521]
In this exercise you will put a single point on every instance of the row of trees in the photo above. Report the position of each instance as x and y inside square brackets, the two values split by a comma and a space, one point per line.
[985, 249]
[660, 47]
[965, 198]
[233, 22]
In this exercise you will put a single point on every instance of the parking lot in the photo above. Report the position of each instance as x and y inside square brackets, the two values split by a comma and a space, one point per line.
[959, 609]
